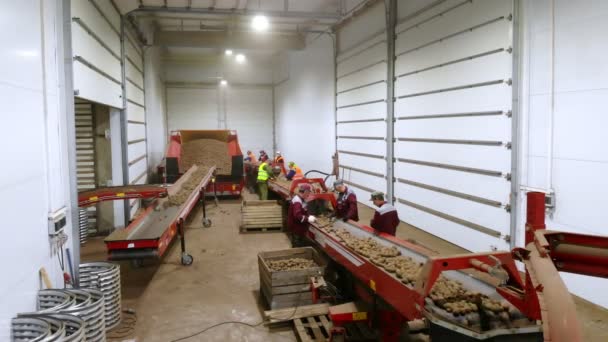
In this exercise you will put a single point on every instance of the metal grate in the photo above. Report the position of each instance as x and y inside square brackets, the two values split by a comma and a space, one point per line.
[85, 161]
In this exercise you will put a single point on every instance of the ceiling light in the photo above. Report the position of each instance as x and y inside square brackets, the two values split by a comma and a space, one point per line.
[223, 82]
[228, 52]
[260, 23]
[240, 58]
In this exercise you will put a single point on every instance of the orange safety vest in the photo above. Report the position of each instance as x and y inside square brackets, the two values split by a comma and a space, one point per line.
[299, 174]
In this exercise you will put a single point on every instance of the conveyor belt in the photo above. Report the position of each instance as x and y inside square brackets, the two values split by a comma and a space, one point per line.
[402, 296]
[155, 229]
[112, 193]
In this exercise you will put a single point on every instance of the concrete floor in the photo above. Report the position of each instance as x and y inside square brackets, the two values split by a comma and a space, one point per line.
[173, 301]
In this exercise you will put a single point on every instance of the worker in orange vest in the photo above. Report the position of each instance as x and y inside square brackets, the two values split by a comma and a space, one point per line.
[294, 172]
[279, 161]
[251, 158]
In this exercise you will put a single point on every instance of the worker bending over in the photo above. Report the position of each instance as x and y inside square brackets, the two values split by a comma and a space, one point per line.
[347, 202]
[251, 157]
[298, 218]
[385, 218]
[279, 161]
[294, 172]
[264, 173]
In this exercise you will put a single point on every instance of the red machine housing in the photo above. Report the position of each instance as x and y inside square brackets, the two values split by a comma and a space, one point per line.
[221, 185]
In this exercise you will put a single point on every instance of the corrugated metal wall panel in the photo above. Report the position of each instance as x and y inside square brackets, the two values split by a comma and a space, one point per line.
[452, 89]
[361, 102]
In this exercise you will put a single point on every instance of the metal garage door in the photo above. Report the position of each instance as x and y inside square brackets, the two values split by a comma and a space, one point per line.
[361, 71]
[453, 125]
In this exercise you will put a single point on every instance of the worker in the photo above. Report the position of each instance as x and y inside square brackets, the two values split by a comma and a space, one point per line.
[385, 218]
[264, 173]
[251, 157]
[294, 172]
[278, 160]
[347, 202]
[262, 154]
[298, 218]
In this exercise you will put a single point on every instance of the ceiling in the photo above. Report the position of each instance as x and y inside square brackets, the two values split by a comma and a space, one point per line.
[285, 16]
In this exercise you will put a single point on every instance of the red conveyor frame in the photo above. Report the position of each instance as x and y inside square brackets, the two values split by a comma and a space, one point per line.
[157, 246]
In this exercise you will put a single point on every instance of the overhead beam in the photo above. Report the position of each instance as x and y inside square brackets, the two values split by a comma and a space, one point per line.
[239, 12]
[234, 40]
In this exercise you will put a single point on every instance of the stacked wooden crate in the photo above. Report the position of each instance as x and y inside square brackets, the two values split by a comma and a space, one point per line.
[261, 216]
[283, 289]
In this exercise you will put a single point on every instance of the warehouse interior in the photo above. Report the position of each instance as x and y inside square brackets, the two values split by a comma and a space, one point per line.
[319, 170]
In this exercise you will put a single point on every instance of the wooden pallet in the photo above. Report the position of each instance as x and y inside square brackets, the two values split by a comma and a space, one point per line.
[313, 328]
[261, 216]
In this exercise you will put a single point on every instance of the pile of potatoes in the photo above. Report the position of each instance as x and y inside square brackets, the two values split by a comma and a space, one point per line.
[186, 188]
[292, 264]
[446, 294]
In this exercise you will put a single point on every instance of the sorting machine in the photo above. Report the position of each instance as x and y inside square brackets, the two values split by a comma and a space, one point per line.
[542, 306]
[221, 185]
[149, 235]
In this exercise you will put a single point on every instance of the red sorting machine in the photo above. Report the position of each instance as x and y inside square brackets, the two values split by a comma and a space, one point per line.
[221, 185]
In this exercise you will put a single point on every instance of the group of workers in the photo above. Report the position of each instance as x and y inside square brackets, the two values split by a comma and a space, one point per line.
[266, 172]
[385, 218]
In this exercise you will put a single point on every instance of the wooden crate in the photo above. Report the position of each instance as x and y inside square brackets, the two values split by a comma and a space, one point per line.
[261, 216]
[283, 289]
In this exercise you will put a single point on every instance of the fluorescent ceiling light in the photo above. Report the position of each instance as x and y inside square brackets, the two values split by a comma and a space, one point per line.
[228, 52]
[260, 23]
[224, 82]
[240, 58]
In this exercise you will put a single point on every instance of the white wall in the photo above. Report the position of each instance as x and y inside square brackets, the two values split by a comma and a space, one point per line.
[304, 106]
[35, 177]
[195, 100]
[580, 118]
[156, 114]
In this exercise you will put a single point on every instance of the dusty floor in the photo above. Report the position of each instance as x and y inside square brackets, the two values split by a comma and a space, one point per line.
[172, 301]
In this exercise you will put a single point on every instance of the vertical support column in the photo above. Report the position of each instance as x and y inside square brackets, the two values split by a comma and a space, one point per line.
[335, 42]
[274, 123]
[391, 20]
[66, 100]
[123, 116]
[515, 131]
[535, 214]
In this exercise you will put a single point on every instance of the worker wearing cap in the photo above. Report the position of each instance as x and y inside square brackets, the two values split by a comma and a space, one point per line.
[347, 202]
[294, 172]
[278, 160]
[385, 218]
[262, 154]
[298, 218]
[264, 173]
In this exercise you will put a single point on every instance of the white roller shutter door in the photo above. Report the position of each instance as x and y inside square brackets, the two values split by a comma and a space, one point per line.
[361, 71]
[453, 127]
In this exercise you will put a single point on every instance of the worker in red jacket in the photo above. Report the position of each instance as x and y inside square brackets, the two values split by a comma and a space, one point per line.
[347, 202]
[298, 217]
[385, 218]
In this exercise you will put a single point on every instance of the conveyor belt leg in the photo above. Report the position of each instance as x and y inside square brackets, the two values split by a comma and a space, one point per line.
[187, 259]
[206, 221]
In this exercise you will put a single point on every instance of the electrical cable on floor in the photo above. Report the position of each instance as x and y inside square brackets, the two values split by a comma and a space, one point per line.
[295, 309]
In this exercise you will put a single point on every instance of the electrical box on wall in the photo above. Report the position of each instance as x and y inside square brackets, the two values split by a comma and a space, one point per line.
[57, 221]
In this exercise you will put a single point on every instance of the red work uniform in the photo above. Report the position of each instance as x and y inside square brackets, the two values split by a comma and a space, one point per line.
[297, 217]
[385, 219]
[347, 206]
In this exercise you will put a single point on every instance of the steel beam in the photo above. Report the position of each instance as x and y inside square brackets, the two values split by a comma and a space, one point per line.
[234, 40]
[124, 116]
[238, 12]
[391, 22]
[65, 78]
[515, 131]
